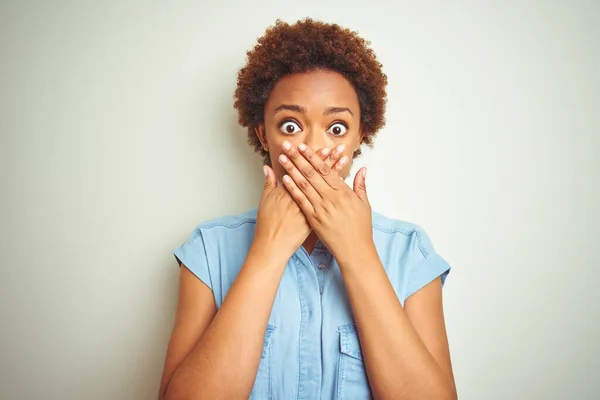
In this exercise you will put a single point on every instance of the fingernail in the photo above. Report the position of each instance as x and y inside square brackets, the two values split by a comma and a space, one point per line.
[265, 170]
[302, 147]
[283, 158]
[344, 160]
[287, 179]
[341, 148]
[365, 174]
[287, 145]
[326, 151]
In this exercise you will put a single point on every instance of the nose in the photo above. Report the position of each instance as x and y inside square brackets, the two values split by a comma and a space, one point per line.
[316, 140]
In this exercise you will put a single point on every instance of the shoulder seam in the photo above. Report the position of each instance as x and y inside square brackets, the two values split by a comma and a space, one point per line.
[421, 245]
[406, 232]
[237, 224]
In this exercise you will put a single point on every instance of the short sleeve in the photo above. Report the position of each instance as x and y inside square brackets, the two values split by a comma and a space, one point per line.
[193, 255]
[430, 266]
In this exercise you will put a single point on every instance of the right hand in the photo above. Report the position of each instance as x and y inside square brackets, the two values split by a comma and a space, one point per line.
[280, 224]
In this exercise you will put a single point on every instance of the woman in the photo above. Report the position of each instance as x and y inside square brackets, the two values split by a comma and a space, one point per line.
[312, 295]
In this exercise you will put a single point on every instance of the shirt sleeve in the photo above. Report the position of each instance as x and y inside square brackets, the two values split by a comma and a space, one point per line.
[429, 266]
[193, 255]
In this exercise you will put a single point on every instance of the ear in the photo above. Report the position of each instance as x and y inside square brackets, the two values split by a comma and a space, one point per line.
[361, 135]
[262, 135]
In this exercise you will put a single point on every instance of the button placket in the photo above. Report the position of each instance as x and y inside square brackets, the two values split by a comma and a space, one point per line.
[309, 357]
[321, 258]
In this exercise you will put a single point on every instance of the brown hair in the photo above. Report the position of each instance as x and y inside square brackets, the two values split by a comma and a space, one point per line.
[303, 47]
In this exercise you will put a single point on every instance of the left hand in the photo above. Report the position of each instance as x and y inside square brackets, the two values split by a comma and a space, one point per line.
[339, 215]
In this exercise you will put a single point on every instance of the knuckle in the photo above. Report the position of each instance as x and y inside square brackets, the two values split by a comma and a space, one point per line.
[303, 184]
[308, 172]
[293, 154]
[324, 169]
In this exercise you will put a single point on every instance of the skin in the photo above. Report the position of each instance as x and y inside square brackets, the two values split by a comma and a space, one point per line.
[405, 348]
[317, 106]
[216, 354]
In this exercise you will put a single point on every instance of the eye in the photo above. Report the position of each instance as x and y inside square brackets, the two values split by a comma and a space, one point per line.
[338, 129]
[289, 127]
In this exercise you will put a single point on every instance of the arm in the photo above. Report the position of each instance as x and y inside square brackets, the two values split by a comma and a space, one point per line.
[216, 354]
[196, 309]
[225, 353]
[405, 348]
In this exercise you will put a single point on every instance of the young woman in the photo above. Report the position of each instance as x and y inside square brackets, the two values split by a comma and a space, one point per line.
[312, 295]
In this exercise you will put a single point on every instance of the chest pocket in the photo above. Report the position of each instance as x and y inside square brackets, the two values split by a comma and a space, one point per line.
[352, 375]
[262, 385]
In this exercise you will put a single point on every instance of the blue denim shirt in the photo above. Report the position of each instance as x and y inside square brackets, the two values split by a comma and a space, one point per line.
[311, 347]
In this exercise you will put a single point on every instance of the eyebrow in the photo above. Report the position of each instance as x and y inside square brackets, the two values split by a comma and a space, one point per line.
[336, 110]
[302, 110]
[291, 107]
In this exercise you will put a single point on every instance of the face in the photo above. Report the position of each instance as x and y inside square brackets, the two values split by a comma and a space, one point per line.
[319, 109]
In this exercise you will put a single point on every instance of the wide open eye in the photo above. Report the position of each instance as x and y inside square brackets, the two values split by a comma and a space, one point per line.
[289, 127]
[338, 129]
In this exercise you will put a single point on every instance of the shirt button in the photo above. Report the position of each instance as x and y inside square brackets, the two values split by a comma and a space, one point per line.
[322, 266]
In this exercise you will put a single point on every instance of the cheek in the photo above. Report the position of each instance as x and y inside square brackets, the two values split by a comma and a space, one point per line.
[279, 171]
[344, 172]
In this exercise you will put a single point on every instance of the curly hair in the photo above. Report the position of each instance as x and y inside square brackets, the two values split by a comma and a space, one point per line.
[303, 47]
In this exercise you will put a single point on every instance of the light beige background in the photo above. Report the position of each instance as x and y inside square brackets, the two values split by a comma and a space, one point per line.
[118, 137]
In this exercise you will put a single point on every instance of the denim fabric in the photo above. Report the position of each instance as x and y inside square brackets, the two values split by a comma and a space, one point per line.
[311, 347]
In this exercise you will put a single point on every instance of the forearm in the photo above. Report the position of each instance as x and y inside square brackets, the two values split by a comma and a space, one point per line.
[399, 365]
[224, 362]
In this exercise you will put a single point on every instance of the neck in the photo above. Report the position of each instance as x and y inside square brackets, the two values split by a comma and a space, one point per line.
[310, 242]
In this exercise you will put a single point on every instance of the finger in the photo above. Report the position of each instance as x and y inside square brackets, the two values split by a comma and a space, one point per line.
[334, 158]
[270, 180]
[360, 186]
[300, 162]
[341, 164]
[300, 180]
[324, 152]
[298, 196]
[335, 155]
[329, 176]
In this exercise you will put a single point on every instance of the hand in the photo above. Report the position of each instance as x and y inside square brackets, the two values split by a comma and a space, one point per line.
[280, 224]
[339, 215]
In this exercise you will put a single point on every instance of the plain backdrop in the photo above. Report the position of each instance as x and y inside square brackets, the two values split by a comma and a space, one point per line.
[118, 137]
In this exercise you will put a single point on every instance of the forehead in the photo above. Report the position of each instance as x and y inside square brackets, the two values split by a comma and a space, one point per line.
[314, 90]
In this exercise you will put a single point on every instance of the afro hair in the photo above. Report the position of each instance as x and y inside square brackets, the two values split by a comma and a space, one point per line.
[303, 47]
